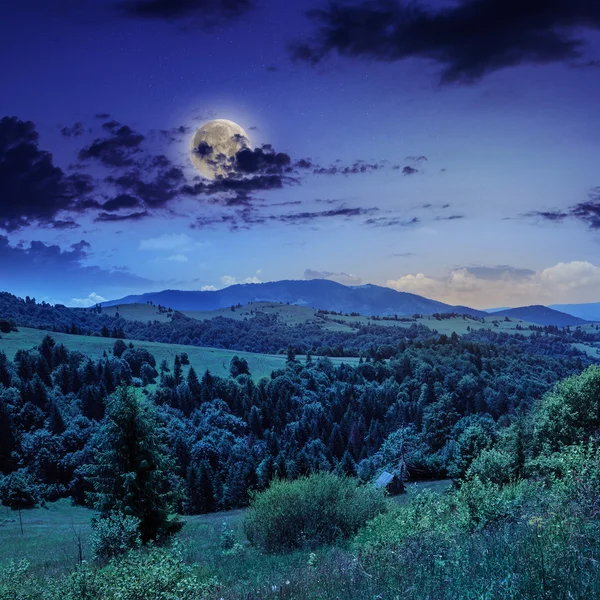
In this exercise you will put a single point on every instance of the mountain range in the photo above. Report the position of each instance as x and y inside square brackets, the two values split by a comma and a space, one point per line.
[328, 295]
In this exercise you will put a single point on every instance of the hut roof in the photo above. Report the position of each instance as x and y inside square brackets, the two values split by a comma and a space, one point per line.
[384, 479]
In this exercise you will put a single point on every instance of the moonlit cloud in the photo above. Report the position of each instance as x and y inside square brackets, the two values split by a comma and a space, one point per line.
[91, 300]
[572, 282]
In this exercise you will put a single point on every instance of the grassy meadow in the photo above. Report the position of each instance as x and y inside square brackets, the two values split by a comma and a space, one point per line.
[51, 536]
[214, 359]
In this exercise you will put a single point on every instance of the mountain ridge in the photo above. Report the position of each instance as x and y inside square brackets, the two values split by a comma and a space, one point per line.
[323, 294]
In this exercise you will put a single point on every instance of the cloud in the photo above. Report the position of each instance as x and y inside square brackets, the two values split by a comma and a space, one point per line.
[169, 241]
[74, 131]
[503, 285]
[40, 267]
[32, 188]
[121, 201]
[359, 166]
[208, 288]
[468, 39]
[392, 221]
[118, 149]
[112, 218]
[343, 278]
[228, 280]
[141, 184]
[587, 212]
[91, 300]
[565, 277]
[408, 170]
[206, 14]
[178, 258]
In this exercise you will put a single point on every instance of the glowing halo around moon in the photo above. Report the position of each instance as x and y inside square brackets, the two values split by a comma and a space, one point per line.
[214, 144]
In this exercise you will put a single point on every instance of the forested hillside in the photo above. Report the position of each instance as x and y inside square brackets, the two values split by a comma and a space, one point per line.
[436, 403]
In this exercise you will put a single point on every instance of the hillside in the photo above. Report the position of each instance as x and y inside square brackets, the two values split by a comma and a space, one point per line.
[293, 315]
[541, 315]
[216, 360]
[315, 293]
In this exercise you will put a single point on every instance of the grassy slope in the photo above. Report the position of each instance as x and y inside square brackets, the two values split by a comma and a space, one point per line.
[295, 315]
[214, 359]
[50, 544]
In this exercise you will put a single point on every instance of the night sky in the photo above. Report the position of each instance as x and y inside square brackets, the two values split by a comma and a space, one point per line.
[450, 149]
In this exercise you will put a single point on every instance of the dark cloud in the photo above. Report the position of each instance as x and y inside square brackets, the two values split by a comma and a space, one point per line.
[247, 216]
[272, 69]
[32, 188]
[203, 149]
[408, 170]
[155, 193]
[450, 218]
[587, 212]
[139, 183]
[113, 218]
[357, 167]
[116, 150]
[75, 131]
[121, 201]
[468, 39]
[204, 13]
[175, 134]
[549, 215]
[262, 160]
[49, 268]
[305, 217]
[392, 222]
[403, 254]
[102, 116]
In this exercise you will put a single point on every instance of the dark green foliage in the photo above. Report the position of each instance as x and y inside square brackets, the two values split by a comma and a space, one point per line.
[131, 467]
[310, 512]
[238, 366]
[19, 490]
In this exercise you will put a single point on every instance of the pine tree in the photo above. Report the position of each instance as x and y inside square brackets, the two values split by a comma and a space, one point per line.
[194, 384]
[177, 372]
[130, 472]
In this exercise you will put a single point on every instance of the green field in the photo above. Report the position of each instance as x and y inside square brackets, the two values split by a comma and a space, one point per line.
[214, 359]
[51, 535]
[589, 349]
[137, 312]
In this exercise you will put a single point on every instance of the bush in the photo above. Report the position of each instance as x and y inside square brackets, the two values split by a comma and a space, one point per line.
[492, 466]
[115, 534]
[310, 511]
[155, 574]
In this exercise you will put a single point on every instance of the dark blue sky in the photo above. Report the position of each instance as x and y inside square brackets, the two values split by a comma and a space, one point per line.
[451, 150]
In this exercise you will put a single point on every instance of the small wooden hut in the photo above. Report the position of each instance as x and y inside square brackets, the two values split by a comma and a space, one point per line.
[391, 482]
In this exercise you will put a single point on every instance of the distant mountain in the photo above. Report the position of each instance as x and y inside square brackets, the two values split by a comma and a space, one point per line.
[541, 315]
[316, 293]
[589, 312]
[498, 309]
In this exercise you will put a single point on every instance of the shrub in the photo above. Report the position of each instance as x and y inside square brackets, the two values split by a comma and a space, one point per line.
[492, 466]
[115, 534]
[155, 574]
[311, 511]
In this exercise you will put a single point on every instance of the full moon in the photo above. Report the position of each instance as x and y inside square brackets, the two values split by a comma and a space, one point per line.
[214, 144]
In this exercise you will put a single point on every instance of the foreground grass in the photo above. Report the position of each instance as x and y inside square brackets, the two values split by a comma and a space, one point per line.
[481, 542]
